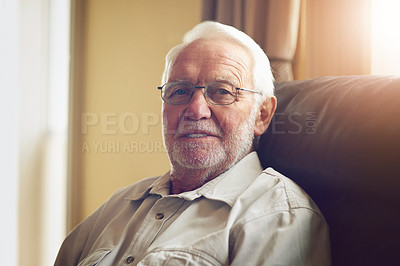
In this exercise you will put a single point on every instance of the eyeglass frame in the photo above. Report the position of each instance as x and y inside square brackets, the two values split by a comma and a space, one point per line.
[204, 93]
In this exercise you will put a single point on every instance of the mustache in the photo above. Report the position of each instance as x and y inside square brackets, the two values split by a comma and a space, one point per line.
[202, 125]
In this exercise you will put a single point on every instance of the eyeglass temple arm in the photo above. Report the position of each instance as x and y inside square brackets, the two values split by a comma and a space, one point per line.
[249, 90]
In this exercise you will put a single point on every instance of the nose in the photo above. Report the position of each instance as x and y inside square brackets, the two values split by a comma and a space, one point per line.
[198, 107]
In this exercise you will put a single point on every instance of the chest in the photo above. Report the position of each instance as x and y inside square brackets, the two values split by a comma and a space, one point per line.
[166, 227]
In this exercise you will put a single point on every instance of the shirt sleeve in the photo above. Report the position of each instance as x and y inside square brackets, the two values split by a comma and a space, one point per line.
[75, 244]
[298, 236]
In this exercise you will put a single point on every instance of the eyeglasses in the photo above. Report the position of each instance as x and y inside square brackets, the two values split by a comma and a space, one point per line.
[217, 93]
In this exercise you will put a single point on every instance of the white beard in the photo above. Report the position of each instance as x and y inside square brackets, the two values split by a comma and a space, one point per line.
[233, 147]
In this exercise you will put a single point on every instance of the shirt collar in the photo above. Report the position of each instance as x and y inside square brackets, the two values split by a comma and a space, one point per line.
[225, 187]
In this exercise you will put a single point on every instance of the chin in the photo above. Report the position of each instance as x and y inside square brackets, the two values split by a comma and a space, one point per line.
[195, 158]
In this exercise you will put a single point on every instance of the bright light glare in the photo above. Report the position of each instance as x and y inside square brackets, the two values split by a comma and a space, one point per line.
[385, 37]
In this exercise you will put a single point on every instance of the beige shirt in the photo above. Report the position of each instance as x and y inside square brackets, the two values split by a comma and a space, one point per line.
[245, 216]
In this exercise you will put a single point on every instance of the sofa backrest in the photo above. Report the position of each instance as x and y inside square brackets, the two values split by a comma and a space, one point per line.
[339, 139]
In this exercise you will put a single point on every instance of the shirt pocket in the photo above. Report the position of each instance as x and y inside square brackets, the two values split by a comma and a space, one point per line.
[178, 257]
[96, 257]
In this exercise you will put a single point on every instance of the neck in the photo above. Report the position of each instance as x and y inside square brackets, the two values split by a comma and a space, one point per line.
[183, 179]
[187, 179]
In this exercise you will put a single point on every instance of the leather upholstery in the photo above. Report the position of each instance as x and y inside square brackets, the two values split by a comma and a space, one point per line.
[339, 139]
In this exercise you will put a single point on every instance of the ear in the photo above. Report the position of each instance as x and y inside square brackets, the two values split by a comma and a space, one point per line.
[264, 115]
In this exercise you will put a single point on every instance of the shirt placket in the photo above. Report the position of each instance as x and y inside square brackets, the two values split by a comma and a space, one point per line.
[154, 222]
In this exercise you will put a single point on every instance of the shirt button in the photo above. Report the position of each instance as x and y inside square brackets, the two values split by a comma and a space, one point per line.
[159, 216]
[129, 260]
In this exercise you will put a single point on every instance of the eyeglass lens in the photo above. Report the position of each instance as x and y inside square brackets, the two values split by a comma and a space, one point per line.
[181, 92]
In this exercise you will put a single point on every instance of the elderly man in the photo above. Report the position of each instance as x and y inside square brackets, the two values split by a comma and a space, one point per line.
[216, 206]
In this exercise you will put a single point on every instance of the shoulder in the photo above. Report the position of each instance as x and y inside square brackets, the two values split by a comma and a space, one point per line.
[275, 214]
[293, 194]
[273, 193]
[120, 199]
[80, 240]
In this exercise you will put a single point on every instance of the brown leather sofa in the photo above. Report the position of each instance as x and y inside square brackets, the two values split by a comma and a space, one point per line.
[339, 139]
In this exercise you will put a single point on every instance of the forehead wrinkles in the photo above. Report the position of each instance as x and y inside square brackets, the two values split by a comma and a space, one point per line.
[205, 58]
[238, 67]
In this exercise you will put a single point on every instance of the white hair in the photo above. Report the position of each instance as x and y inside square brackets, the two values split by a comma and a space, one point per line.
[263, 79]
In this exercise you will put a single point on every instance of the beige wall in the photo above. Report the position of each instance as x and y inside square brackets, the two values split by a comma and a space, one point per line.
[119, 50]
